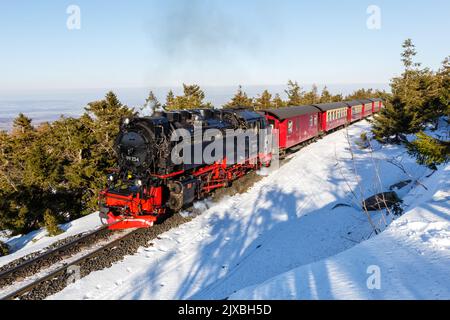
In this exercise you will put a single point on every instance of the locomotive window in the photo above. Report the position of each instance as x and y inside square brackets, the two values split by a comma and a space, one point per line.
[290, 126]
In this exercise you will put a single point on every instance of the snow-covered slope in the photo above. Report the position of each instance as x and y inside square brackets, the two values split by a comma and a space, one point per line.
[38, 240]
[284, 221]
[412, 259]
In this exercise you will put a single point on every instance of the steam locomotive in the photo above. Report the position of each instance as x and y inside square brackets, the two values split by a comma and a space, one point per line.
[167, 161]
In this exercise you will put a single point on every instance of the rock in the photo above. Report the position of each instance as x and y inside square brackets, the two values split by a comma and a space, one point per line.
[381, 201]
[400, 185]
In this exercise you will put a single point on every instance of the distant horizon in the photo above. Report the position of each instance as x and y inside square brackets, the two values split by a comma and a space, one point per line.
[333, 87]
[47, 105]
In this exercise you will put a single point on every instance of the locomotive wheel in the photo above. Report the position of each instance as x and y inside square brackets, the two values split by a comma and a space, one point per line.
[175, 188]
[175, 203]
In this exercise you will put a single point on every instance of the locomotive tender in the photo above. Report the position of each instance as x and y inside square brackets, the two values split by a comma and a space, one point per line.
[167, 161]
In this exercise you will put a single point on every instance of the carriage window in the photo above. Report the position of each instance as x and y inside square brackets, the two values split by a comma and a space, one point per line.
[290, 126]
[311, 121]
[315, 120]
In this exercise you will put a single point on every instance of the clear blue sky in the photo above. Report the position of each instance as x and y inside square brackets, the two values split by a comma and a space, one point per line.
[213, 42]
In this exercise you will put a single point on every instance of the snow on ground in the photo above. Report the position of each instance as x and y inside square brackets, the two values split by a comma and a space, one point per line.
[284, 221]
[413, 257]
[38, 240]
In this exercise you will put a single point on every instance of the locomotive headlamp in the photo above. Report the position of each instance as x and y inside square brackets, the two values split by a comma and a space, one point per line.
[139, 183]
[126, 121]
[111, 177]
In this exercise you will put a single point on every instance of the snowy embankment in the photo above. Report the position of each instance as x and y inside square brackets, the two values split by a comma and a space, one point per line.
[287, 220]
[38, 240]
[411, 259]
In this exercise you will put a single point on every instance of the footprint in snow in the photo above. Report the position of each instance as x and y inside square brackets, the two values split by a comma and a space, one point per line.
[88, 296]
[119, 282]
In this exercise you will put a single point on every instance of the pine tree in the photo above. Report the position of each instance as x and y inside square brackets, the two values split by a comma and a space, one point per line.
[106, 116]
[326, 96]
[429, 151]
[151, 105]
[392, 122]
[193, 98]
[408, 54]
[22, 125]
[361, 94]
[294, 93]
[240, 100]
[278, 102]
[440, 105]
[51, 223]
[405, 109]
[54, 172]
[170, 100]
[312, 97]
[264, 101]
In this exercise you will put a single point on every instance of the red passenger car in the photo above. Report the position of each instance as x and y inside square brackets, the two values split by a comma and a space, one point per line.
[367, 107]
[295, 124]
[333, 115]
[355, 110]
[377, 104]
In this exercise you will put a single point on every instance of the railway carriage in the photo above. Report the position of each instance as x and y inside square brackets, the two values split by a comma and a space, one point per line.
[333, 115]
[294, 124]
[355, 110]
[367, 107]
[377, 104]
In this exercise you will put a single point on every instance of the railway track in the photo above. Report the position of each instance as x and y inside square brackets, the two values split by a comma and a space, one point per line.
[30, 266]
[68, 270]
[39, 282]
